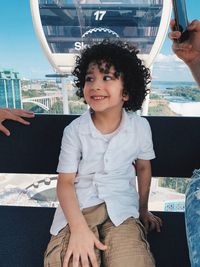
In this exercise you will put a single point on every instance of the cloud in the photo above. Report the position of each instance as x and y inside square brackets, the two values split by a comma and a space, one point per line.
[162, 58]
[170, 67]
[170, 62]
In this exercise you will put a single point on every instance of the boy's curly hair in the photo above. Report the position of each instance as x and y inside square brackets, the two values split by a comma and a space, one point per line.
[123, 57]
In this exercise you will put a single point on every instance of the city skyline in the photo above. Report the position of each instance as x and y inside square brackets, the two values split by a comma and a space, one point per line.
[21, 51]
[10, 89]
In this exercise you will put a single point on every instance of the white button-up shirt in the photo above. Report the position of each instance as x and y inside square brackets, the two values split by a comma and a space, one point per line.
[104, 165]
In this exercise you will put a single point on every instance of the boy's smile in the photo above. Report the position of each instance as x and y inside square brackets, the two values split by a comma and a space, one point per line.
[98, 97]
[103, 91]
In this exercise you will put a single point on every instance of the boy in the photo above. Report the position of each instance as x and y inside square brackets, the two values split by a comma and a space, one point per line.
[98, 217]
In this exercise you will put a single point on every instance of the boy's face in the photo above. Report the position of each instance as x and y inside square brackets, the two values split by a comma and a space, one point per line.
[103, 91]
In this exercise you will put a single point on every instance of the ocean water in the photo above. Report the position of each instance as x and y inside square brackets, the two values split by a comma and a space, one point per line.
[179, 105]
[171, 84]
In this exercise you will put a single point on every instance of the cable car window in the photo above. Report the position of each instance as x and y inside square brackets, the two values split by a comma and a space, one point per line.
[70, 25]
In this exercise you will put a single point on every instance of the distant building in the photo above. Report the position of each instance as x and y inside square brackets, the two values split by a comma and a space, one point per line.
[10, 89]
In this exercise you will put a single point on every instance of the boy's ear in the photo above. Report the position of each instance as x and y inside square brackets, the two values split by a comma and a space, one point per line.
[125, 97]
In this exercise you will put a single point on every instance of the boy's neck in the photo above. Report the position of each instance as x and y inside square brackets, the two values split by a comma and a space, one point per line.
[107, 122]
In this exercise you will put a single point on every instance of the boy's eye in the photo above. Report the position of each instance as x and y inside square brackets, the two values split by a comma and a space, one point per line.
[88, 79]
[107, 78]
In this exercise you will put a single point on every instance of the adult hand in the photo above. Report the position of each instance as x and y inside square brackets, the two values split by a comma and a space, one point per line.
[15, 115]
[189, 50]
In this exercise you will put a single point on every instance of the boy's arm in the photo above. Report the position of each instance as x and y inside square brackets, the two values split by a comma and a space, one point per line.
[68, 200]
[82, 240]
[149, 220]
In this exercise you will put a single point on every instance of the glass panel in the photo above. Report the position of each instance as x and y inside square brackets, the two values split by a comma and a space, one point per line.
[70, 25]
[174, 99]
[28, 190]
[166, 194]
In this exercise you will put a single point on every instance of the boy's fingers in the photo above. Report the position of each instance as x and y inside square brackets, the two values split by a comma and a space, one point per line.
[85, 261]
[66, 259]
[100, 245]
[156, 223]
[157, 226]
[159, 220]
[146, 225]
[93, 260]
[75, 260]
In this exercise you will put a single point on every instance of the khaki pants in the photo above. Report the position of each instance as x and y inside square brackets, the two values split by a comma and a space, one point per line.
[127, 244]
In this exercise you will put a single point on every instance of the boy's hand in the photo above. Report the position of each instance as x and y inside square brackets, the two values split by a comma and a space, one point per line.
[15, 115]
[81, 248]
[150, 221]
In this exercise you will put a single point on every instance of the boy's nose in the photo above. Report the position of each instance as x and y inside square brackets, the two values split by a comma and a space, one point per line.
[96, 88]
[97, 85]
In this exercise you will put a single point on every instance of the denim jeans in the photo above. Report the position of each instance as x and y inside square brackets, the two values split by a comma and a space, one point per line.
[192, 218]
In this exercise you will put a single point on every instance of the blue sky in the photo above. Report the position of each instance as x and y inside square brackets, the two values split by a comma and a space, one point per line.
[21, 51]
[167, 66]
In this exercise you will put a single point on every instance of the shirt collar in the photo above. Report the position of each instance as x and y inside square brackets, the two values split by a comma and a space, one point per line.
[87, 126]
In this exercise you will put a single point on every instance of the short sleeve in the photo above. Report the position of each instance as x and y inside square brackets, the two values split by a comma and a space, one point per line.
[70, 150]
[146, 150]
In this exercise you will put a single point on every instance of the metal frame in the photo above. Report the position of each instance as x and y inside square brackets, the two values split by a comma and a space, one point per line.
[59, 61]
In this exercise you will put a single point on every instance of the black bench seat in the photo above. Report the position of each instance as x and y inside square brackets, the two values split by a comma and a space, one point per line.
[24, 231]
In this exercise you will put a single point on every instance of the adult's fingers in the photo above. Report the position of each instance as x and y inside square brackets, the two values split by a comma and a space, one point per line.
[22, 113]
[182, 47]
[174, 35]
[18, 119]
[172, 24]
[194, 25]
[4, 130]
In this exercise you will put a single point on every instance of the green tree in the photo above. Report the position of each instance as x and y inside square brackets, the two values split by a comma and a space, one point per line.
[178, 184]
[77, 107]
[57, 107]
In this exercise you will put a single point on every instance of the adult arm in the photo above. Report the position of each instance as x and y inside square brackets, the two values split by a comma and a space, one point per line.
[15, 115]
[188, 51]
[82, 240]
[150, 221]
